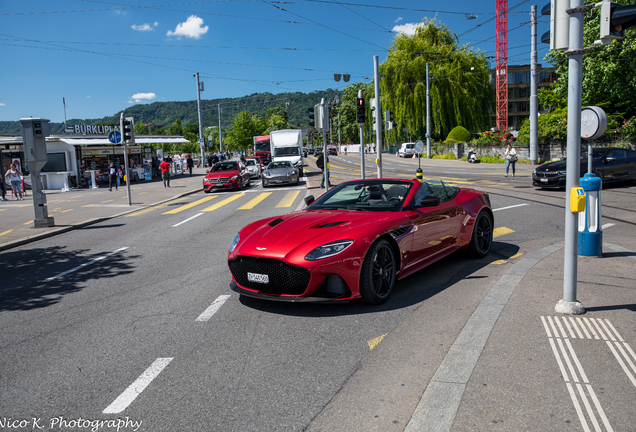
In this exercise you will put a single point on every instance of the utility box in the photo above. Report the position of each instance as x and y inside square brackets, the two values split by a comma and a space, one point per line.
[34, 133]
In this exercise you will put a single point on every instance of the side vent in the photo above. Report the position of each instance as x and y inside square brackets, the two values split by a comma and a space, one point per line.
[275, 222]
[399, 232]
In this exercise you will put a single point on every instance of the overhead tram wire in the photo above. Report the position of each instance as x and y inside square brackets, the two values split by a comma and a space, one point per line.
[362, 16]
[323, 25]
[490, 19]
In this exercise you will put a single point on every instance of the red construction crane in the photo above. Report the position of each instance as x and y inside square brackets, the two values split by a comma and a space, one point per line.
[502, 65]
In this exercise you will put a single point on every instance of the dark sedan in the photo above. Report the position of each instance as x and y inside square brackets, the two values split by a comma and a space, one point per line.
[610, 164]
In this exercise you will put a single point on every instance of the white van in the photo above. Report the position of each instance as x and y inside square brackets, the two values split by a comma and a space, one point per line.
[407, 150]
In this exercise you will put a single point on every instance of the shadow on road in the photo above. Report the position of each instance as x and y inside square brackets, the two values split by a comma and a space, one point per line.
[23, 286]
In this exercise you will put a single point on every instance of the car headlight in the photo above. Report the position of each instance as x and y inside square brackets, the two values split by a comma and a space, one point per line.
[235, 178]
[291, 173]
[237, 239]
[328, 250]
[299, 163]
[266, 174]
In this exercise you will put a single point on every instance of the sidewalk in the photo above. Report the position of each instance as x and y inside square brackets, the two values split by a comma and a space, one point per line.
[82, 207]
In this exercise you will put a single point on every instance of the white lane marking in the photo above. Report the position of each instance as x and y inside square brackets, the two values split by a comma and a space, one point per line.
[567, 324]
[607, 225]
[577, 407]
[545, 324]
[609, 333]
[598, 328]
[620, 338]
[587, 334]
[559, 362]
[509, 207]
[187, 220]
[558, 321]
[599, 408]
[577, 362]
[215, 306]
[588, 408]
[84, 265]
[135, 389]
[567, 360]
[620, 362]
[576, 327]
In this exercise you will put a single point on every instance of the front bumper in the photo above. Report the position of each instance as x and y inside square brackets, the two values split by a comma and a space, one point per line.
[557, 182]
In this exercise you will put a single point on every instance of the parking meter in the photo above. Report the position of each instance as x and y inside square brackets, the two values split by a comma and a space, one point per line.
[34, 133]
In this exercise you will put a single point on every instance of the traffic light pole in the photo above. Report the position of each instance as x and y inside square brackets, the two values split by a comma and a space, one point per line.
[569, 304]
[324, 114]
[378, 116]
[121, 128]
[361, 123]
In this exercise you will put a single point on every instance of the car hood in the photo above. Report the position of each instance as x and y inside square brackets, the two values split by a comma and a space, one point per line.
[279, 171]
[217, 174]
[300, 232]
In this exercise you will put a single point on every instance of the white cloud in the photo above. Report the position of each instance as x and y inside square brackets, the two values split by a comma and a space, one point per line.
[408, 28]
[398, 20]
[1, 104]
[192, 28]
[142, 97]
[144, 27]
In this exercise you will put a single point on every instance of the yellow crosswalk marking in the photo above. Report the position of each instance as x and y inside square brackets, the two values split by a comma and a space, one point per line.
[253, 202]
[27, 223]
[222, 203]
[288, 200]
[192, 204]
[501, 231]
[6, 232]
[148, 210]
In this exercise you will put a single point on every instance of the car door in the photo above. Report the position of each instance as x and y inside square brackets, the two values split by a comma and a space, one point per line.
[434, 229]
[614, 164]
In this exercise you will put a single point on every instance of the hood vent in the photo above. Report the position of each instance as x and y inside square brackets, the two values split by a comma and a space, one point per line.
[330, 225]
[275, 222]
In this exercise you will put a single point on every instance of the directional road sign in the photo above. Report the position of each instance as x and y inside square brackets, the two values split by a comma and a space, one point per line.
[114, 137]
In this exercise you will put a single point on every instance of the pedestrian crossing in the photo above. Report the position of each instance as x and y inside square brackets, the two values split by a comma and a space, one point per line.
[282, 199]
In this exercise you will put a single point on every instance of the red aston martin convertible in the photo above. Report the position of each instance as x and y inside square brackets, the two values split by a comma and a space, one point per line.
[357, 239]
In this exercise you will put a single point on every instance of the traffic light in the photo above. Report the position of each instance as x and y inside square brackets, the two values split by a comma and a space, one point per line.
[388, 120]
[559, 35]
[615, 19]
[128, 134]
[372, 106]
[360, 111]
[312, 116]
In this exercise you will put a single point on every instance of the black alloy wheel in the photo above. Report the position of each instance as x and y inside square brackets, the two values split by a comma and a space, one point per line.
[481, 240]
[378, 275]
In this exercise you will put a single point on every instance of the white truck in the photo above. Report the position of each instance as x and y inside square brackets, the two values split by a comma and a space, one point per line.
[287, 145]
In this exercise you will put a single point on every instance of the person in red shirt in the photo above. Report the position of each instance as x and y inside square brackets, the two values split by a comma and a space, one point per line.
[165, 172]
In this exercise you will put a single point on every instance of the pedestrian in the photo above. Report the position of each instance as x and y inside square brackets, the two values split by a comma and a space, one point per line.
[190, 163]
[3, 189]
[120, 174]
[165, 172]
[210, 161]
[511, 159]
[14, 178]
[112, 177]
[320, 163]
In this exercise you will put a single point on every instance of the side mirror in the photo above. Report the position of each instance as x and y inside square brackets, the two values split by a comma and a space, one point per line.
[429, 201]
[207, 171]
[309, 199]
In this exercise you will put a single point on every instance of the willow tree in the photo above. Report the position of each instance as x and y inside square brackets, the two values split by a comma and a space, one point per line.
[459, 82]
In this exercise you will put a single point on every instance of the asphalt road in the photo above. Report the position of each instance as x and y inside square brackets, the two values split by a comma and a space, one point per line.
[132, 319]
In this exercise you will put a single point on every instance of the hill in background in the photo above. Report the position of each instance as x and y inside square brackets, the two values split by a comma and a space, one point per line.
[165, 113]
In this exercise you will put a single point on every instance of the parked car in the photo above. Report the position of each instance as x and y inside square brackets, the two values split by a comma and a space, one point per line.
[356, 240]
[610, 164]
[226, 175]
[253, 165]
[332, 151]
[406, 150]
[282, 172]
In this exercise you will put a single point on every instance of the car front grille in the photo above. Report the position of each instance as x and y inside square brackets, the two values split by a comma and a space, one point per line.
[283, 278]
[278, 178]
[547, 174]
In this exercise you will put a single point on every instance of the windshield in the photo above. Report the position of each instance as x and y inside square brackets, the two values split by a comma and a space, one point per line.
[225, 166]
[286, 151]
[276, 165]
[261, 146]
[250, 162]
[371, 195]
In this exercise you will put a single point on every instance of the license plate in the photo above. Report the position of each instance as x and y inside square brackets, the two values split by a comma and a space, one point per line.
[258, 278]
[544, 180]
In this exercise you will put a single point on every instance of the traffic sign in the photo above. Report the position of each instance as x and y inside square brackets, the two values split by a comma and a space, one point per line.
[114, 137]
[419, 146]
[201, 141]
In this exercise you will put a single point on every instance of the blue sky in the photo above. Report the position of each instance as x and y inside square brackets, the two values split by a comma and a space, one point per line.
[104, 56]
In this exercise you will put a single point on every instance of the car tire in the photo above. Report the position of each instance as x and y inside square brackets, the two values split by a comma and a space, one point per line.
[481, 239]
[249, 181]
[264, 185]
[378, 274]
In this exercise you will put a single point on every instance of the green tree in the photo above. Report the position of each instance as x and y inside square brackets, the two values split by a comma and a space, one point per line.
[175, 128]
[244, 128]
[609, 72]
[460, 88]
[141, 129]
